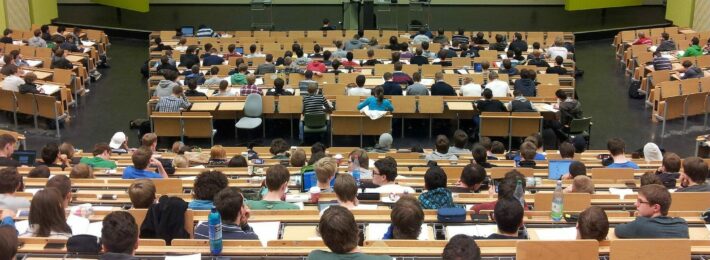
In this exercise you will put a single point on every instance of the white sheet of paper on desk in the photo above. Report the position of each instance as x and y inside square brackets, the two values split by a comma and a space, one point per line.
[184, 257]
[621, 192]
[33, 191]
[266, 231]
[49, 89]
[87, 43]
[17, 43]
[259, 81]
[78, 225]
[667, 56]
[87, 50]
[22, 226]
[462, 71]
[435, 60]
[681, 53]
[707, 226]
[189, 178]
[366, 206]
[94, 228]
[386, 62]
[568, 233]
[483, 230]
[427, 82]
[548, 107]
[498, 64]
[375, 231]
[33, 63]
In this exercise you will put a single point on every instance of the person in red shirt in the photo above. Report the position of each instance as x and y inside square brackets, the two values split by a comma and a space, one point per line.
[348, 63]
[316, 66]
[642, 40]
[506, 190]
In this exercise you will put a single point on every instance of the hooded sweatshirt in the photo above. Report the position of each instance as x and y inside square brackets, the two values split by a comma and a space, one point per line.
[165, 88]
[436, 199]
[353, 44]
[570, 109]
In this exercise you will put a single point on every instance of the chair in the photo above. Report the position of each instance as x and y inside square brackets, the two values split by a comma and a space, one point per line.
[649, 249]
[578, 249]
[166, 124]
[49, 107]
[689, 201]
[199, 125]
[26, 105]
[572, 202]
[671, 108]
[314, 124]
[168, 186]
[580, 126]
[8, 103]
[431, 105]
[252, 113]
[612, 174]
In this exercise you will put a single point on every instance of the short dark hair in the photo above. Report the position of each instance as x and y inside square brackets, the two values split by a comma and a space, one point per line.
[387, 76]
[338, 229]
[472, 174]
[508, 215]
[7, 32]
[60, 182]
[497, 147]
[487, 93]
[650, 178]
[506, 187]
[567, 150]
[657, 194]
[278, 145]
[345, 187]
[387, 168]
[119, 233]
[671, 162]
[142, 193]
[479, 153]
[695, 41]
[8, 242]
[209, 183]
[615, 146]
[593, 224]
[39, 171]
[101, 148]
[237, 161]
[6, 139]
[696, 169]
[228, 202]
[460, 138]
[360, 80]
[141, 158]
[442, 144]
[10, 180]
[407, 217]
[276, 176]
[577, 168]
[461, 247]
[434, 178]
[561, 94]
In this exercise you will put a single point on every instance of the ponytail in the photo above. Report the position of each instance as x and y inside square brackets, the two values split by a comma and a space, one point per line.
[379, 93]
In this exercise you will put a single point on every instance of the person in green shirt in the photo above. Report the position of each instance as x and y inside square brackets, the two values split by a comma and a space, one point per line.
[277, 178]
[694, 49]
[340, 233]
[102, 153]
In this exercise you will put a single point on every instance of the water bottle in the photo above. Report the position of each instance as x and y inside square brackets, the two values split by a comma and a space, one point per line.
[356, 170]
[519, 193]
[557, 200]
[215, 227]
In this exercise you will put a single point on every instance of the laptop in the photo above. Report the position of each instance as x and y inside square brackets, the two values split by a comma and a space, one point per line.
[309, 179]
[239, 49]
[557, 168]
[25, 157]
[187, 31]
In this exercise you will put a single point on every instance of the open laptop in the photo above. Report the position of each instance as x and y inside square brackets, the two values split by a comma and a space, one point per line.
[25, 157]
[309, 179]
[239, 49]
[187, 31]
[557, 168]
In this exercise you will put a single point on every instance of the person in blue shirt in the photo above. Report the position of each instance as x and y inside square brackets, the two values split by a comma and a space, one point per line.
[234, 213]
[616, 148]
[206, 186]
[211, 58]
[141, 159]
[377, 101]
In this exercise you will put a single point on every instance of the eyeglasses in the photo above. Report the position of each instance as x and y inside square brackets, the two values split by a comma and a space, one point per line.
[642, 202]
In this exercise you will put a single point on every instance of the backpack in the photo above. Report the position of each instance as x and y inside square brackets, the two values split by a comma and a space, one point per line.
[634, 90]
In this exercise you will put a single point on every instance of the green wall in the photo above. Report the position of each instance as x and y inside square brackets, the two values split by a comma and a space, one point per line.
[573, 5]
[43, 11]
[3, 22]
[680, 12]
[135, 5]
[434, 2]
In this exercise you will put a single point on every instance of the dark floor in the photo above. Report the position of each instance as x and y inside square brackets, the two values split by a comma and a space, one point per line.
[120, 96]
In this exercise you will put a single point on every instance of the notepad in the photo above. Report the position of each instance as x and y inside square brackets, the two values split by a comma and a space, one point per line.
[568, 233]
[427, 82]
[462, 71]
[87, 43]
[22, 226]
[266, 231]
[81, 226]
[484, 230]
[33, 63]
[375, 231]
[49, 89]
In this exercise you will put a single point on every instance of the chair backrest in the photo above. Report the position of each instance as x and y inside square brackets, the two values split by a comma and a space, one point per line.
[431, 104]
[499, 172]
[495, 124]
[696, 103]
[690, 201]
[571, 201]
[139, 216]
[7, 101]
[290, 104]
[252, 107]
[612, 173]
[168, 186]
[404, 104]
[333, 89]
[579, 125]
[166, 124]
[314, 120]
[26, 103]
[649, 249]
[346, 103]
[197, 124]
[577, 249]
[49, 107]
[548, 79]
[524, 124]
[673, 107]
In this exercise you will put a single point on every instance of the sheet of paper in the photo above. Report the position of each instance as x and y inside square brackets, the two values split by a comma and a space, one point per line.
[22, 226]
[78, 225]
[568, 233]
[49, 89]
[375, 231]
[621, 192]
[366, 206]
[33, 63]
[87, 50]
[462, 71]
[87, 43]
[707, 226]
[259, 81]
[189, 178]
[33, 191]
[266, 231]
[184, 257]
[471, 230]
[548, 107]
[427, 82]
[102, 208]
[95, 228]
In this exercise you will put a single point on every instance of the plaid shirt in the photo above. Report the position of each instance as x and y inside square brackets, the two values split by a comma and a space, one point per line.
[171, 104]
[249, 89]
[436, 199]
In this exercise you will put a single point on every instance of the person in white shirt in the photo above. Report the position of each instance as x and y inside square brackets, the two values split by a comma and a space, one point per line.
[12, 79]
[557, 50]
[470, 89]
[360, 90]
[498, 87]
[384, 174]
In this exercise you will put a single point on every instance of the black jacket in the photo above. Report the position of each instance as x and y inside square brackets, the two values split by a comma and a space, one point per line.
[442, 88]
[165, 220]
[419, 60]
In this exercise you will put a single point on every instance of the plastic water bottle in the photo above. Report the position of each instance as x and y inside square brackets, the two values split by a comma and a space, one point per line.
[215, 227]
[519, 193]
[356, 170]
[557, 203]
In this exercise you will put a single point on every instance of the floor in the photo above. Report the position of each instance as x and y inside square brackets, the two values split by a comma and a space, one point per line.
[120, 96]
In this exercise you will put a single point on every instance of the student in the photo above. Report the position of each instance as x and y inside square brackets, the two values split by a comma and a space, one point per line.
[190, 57]
[407, 217]
[6, 36]
[326, 168]
[192, 89]
[8, 240]
[593, 224]
[81, 171]
[206, 31]
[437, 195]
[340, 234]
[30, 86]
[669, 172]
[277, 178]
[12, 79]
[101, 159]
[141, 158]
[384, 175]
[421, 36]
[267, 67]
[278, 89]
[359, 160]
[165, 86]
[557, 69]
[39, 171]
[649, 178]
[580, 184]
[11, 182]
[165, 63]
[326, 25]
[279, 149]
[377, 101]
[313, 104]
[661, 63]
[616, 149]
[472, 176]
[149, 141]
[215, 79]
[480, 156]
[371, 61]
[345, 189]
[527, 155]
[690, 71]
[119, 236]
[224, 90]
[694, 49]
[400, 77]
[249, 88]
[488, 104]
[520, 103]
[419, 58]
[240, 78]
[461, 247]
[211, 58]
[498, 87]
[652, 221]
[218, 156]
[538, 58]
[234, 213]
[506, 190]
[390, 87]
[576, 168]
[557, 50]
[206, 185]
[440, 87]
[442, 55]
[508, 214]
[176, 102]
[499, 45]
[308, 81]
[693, 177]
[62, 183]
[237, 161]
[142, 193]
[460, 141]
[470, 88]
[47, 217]
[442, 150]
[518, 44]
[417, 89]
[50, 156]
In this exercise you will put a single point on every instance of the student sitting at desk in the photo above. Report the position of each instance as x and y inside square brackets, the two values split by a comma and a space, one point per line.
[539, 60]
[506, 189]
[37, 41]
[693, 176]
[580, 184]
[29, 86]
[304, 84]
[12, 79]
[278, 89]
[384, 175]
[325, 170]
[557, 69]
[224, 90]
[669, 172]
[499, 45]
[389, 86]
[249, 88]
[174, 103]
[345, 189]
[417, 89]
[593, 224]
[488, 104]
[371, 61]
[666, 43]
[234, 213]
[616, 148]
[377, 101]
[507, 68]
[690, 71]
[407, 217]
[694, 49]
[142, 193]
[240, 78]
[6, 36]
[472, 176]
[165, 86]
[652, 221]
[47, 217]
[481, 157]
[520, 103]
[436, 195]
[442, 55]
[190, 57]
[11, 182]
[360, 89]
[442, 150]
[508, 215]
[460, 140]
[279, 149]
[277, 178]
[340, 233]
[192, 89]
[141, 158]
[206, 186]
[440, 87]
[313, 103]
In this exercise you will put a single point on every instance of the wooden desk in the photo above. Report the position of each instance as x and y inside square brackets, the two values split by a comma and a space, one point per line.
[204, 106]
[354, 123]
[459, 107]
[231, 106]
[75, 58]
[41, 75]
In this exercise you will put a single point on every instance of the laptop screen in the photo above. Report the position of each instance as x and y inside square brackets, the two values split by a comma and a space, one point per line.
[187, 30]
[25, 157]
[239, 50]
[557, 168]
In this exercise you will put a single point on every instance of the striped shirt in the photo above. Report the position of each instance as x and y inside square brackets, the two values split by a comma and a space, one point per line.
[171, 104]
[205, 32]
[229, 231]
[662, 63]
[249, 89]
[314, 104]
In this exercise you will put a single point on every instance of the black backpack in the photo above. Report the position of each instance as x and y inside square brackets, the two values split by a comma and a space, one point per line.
[634, 90]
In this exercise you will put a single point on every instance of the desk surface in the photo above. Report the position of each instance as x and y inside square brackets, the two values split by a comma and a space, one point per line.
[460, 105]
[204, 106]
[231, 106]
